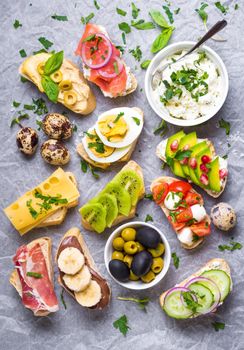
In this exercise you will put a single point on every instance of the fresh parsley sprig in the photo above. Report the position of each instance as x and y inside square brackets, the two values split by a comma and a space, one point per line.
[122, 325]
[176, 260]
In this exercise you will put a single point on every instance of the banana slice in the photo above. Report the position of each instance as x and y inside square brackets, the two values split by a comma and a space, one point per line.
[90, 296]
[79, 281]
[71, 260]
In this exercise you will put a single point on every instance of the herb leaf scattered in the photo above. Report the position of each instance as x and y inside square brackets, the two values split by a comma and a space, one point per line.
[59, 18]
[225, 125]
[83, 165]
[45, 43]
[148, 218]
[121, 12]
[202, 13]
[124, 27]
[218, 325]
[233, 246]
[136, 120]
[96, 4]
[162, 40]
[169, 14]
[149, 196]
[142, 25]
[122, 324]
[17, 24]
[136, 53]
[22, 53]
[135, 10]
[18, 119]
[161, 129]
[34, 274]
[176, 260]
[85, 20]
[62, 299]
[222, 8]
[145, 64]
[159, 19]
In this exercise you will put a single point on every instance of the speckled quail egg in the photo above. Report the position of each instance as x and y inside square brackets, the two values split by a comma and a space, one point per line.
[54, 152]
[57, 126]
[27, 140]
[223, 216]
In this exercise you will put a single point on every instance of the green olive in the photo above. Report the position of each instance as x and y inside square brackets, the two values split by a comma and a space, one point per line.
[118, 255]
[118, 243]
[130, 247]
[159, 250]
[57, 76]
[128, 259]
[157, 265]
[128, 234]
[148, 277]
[40, 68]
[65, 85]
[140, 247]
[133, 277]
[70, 98]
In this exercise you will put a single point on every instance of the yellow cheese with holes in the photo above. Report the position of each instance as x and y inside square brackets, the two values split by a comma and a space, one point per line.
[58, 184]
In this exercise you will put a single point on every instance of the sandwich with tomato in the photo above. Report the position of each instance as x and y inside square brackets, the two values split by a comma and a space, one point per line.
[183, 207]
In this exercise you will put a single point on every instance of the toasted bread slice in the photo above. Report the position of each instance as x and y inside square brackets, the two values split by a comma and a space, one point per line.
[86, 101]
[218, 264]
[81, 151]
[46, 245]
[169, 180]
[133, 85]
[75, 232]
[136, 167]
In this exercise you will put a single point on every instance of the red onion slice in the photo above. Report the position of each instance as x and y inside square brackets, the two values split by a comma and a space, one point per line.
[180, 289]
[108, 75]
[87, 62]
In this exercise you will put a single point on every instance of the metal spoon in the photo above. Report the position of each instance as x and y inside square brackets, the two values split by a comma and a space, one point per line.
[157, 75]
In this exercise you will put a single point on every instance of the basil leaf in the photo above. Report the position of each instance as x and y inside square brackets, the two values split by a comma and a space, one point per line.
[121, 12]
[46, 43]
[135, 10]
[54, 63]
[159, 19]
[50, 88]
[145, 64]
[124, 27]
[162, 40]
[142, 25]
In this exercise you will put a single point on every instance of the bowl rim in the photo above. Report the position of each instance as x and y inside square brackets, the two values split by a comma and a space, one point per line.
[159, 277]
[163, 54]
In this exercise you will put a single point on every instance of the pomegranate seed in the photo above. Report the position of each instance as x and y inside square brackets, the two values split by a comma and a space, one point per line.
[204, 168]
[184, 161]
[193, 163]
[205, 159]
[174, 146]
[186, 147]
[204, 179]
[223, 173]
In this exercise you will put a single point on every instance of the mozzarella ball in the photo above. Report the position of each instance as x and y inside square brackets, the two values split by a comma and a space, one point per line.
[27, 140]
[55, 153]
[185, 236]
[223, 216]
[198, 212]
[171, 201]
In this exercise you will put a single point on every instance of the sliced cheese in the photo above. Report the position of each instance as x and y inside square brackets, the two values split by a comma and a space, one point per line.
[59, 183]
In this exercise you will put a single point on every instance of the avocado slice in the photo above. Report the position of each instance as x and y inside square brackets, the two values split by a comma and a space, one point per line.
[206, 152]
[177, 169]
[190, 140]
[176, 137]
[199, 147]
[213, 175]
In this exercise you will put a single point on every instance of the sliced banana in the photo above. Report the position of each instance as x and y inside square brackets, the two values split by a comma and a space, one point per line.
[71, 260]
[90, 296]
[79, 281]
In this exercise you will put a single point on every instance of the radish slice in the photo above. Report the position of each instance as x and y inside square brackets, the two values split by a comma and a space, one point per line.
[114, 68]
[88, 61]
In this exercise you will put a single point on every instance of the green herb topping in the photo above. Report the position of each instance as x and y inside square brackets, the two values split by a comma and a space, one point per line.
[60, 18]
[149, 196]
[34, 274]
[122, 325]
[176, 260]
[96, 4]
[136, 53]
[218, 325]
[45, 43]
[148, 218]
[121, 12]
[136, 120]
[62, 299]
[135, 10]
[169, 14]
[22, 53]
[161, 129]
[145, 64]
[233, 246]
[222, 8]
[85, 20]
[225, 125]
[190, 302]
[124, 27]
[17, 24]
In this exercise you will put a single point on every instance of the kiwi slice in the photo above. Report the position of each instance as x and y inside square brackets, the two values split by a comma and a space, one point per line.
[109, 202]
[122, 196]
[95, 215]
[131, 182]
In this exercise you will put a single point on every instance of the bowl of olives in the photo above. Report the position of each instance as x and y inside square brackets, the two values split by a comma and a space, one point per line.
[137, 255]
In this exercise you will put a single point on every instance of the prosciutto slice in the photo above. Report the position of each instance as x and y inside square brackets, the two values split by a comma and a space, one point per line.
[37, 293]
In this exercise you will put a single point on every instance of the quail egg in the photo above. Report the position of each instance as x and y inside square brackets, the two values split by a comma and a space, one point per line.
[223, 216]
[57, 126]
[27, 140]
[55, 153]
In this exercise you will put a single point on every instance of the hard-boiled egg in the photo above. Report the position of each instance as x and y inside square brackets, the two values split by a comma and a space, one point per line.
[119, 127]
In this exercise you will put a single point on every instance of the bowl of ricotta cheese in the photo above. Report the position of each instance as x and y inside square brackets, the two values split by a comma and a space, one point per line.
[190, 91]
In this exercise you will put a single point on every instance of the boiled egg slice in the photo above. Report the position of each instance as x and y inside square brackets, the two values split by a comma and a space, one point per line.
[119, 127]
[99, 152]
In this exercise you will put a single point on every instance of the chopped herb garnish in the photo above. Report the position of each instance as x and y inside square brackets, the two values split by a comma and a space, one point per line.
[93, 171]
[34, 274]
[233, 246]
[159, 19]
[135, 10]
[96, 4]
[142, 303]
[222, 8]
[116, 68]
[22, 53]
[236, 6]
[124, 27]
[161, 129]
[190, 302]
[225, 125]
[45, 43]
[181, 155]
[136, 53]
[121, 12]
[225, 156]
[118, 117]
[17, 24]
[142, 25]
[202, 13]
[89, 38]
[99, 146]
[74, 127]
[28, 107]
[32, 211]
[169, 14]
[60, 18]
[120, 48]
[39, 51]
[39, 106]
[23, 79]
[62, 299]
[177, 11]
[148, 196]
[136, 120]
[148, 218]
[83, 165]
[16, 104]
[85, 20]
[145, 64]
[122, 324]
[218, 325]
[176, 260]
[123, 38]
[39, 124]
[18, 119]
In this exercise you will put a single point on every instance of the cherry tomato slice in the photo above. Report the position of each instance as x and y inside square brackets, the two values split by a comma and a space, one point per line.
[201, 229]
[184, 216]
[180, 186]
[177, 226]
[192, 198]
[160, 191]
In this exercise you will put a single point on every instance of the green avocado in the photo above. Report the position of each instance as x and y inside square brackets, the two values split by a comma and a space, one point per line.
[176, 137]
[177, 169]
[213, 175]
[190, 140]
[204, 152]
[199, 147]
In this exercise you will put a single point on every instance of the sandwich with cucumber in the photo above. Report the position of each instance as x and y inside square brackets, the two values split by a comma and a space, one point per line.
[201, 293]
[195, 159]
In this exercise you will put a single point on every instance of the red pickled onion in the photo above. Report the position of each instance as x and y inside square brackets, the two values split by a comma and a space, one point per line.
[108, 75]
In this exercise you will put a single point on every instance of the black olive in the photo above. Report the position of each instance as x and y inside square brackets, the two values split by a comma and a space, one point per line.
[119, 270]
[141, 263]
[148, 237]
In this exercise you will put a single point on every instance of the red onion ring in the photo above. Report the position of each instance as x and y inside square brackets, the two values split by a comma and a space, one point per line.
[179, 289]
[105, 74]
[100, 65]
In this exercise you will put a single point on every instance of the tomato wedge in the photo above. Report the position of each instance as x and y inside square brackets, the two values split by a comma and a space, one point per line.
[192, 198]
[201, 229]
[160, 191]
[177, 226]
[184, 216]
[180, 186]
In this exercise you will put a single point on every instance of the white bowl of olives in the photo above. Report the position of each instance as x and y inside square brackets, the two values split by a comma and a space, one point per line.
[137, 255]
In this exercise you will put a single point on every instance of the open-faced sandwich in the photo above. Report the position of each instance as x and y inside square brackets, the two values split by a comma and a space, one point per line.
[102, 63]
[78, 274]
[117, 201]
[113, 137]
[60, 79]
[33, 277]
[195, 159]
[201, 293]
[183, 207]
[46, 204]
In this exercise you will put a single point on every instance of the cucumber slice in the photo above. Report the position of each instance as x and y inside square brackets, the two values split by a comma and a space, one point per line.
[222, 279]
[204, 296]
[174, 307]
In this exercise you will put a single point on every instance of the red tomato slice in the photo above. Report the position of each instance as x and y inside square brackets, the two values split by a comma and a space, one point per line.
[160, 191]
[177, 226]
[192, 198]
[201, 229]
[180, 186]
[184, 216]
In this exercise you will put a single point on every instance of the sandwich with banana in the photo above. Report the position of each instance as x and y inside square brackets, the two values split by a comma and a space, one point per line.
[78, 274]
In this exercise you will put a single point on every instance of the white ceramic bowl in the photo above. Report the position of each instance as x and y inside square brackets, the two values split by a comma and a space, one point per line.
[138, 285]
[168, 51]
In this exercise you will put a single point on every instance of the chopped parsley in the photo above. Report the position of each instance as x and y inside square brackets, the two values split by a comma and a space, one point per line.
[18, 119]
[39, 124]
[62, 299]
[116, 68]
[59, 18]
[17, 24]
[161, 129]
[135, 10]
[23, 79]
[118, 117]
[148, 196]
[136, 53]
[84, 166]
[148, 218]
[34, 274]
[176, 260]
[169, 14]
[123, 38]
[202, 13]
[85, 20]
[218, 325]
[142, 25]
[122, 325]
[16, 104]
[136, 120]
[96, 4]
[45, 42]
[225, 125]
[142, 303]
[236, 6]
[222, 8]
[121, 12]
[190, 302]
[177, 11]
[98, 145]
[22, 53]
[94, 173]
[181, 155]
[124, 27]
[233, 246]
[32, 211]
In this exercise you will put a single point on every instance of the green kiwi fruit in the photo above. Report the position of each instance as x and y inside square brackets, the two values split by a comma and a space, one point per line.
[131, 182]
[109, 202]
[122, 196]
[95, 215]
